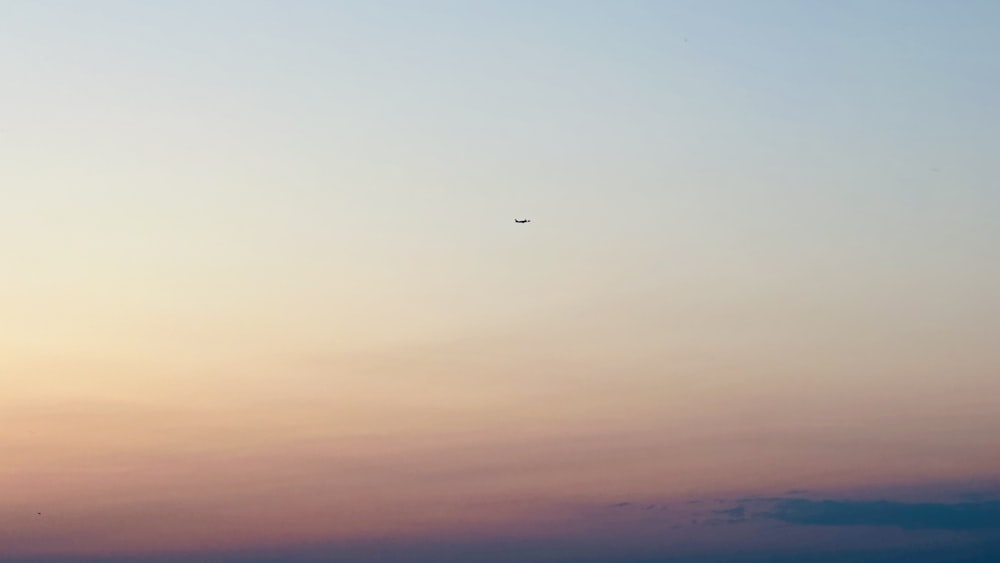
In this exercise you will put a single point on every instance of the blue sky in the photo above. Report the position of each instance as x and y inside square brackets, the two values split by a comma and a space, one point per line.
[260, 256]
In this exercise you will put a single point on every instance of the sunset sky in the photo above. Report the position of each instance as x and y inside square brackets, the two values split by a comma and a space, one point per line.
[262, 297]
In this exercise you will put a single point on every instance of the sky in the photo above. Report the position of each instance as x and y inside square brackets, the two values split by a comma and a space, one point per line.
[263, 298]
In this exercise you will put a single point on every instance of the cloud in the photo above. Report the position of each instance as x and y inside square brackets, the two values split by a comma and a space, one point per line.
[737, 514]
[759, 499]
[909, 516]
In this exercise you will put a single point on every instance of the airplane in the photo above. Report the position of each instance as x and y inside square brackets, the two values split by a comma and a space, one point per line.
[522, 220]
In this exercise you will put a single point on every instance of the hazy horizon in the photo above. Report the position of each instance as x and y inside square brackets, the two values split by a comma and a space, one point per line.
[263, 297]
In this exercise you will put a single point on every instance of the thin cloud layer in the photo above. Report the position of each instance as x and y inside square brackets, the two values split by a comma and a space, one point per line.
[942, 507]
[909, 516]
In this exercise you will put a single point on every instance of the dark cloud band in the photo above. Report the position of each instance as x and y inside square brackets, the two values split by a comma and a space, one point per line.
[913, 516]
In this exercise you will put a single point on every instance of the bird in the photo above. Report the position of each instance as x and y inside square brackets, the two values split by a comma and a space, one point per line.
[522, 220]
